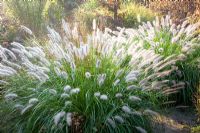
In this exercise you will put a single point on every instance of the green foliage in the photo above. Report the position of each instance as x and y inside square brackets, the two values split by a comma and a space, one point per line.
[130, 15]
[167, 39]
[133, 14]
[35, 14]
[7, 33]
[191, 75]
[91, 112]
[90, 10]
[195, 129]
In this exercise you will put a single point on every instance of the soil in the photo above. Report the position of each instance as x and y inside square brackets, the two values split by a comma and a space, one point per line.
[176, 120]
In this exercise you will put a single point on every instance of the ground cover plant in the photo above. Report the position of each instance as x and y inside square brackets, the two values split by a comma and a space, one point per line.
[72, 86]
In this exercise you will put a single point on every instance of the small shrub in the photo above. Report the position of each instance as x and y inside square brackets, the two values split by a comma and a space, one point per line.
[103, 85]
[133, 15]
[91, 10]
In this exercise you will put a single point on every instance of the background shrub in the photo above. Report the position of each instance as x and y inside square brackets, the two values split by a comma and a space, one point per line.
[133, 15]
[129, 15]
[35, 14]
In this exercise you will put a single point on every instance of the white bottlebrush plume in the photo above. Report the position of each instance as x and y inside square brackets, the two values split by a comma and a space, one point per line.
[134, 98]
[141, 130]
[3, 82]
[64, 95]
[27, 30]
[17, 45]
[118, 95]
[33, 101]
[150, 112]
[73, 66]
[27, 108]
[119, 119]
[119, 73]
[97, 94]
[69, 119]
[132, 87]
[68, 103]
[101, 78]
[116, 82]
[18, 106]
[87, 75]
[74, 91]
[57, 71]
[64, 75]
[136, 113]
[98, 63]
[67, 88]
[104, 97]
[126, 109]
[58, 117]
[111, 123]
[10, 96]
[53, 91]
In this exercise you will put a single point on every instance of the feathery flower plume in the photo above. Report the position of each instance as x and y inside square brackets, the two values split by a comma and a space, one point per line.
[87, 75]
[104, 97]
[111, 123]
[119, 119]
[19, 106]
[116, 82]
[118, 95]
[98, 62]
[97, 94]
[141, 130]
[101, 78]
[67, 88]
[132, 87]
[33, 101]
[64, 95]
[134, 98]
[27, 30]
[10, 96]
[53, 91]
[69, 119]
[27, 108]
[64, 75]
[67, 103]
[150, 112]
[74, 91]
[58, 117]
[126, 109]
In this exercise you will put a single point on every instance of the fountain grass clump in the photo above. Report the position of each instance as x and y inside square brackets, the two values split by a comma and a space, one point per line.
[106, 84]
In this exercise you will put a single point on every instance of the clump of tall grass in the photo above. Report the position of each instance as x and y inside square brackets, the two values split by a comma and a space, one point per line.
[133, 14]
[35, 14]
[106, 84]
[166, 39]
